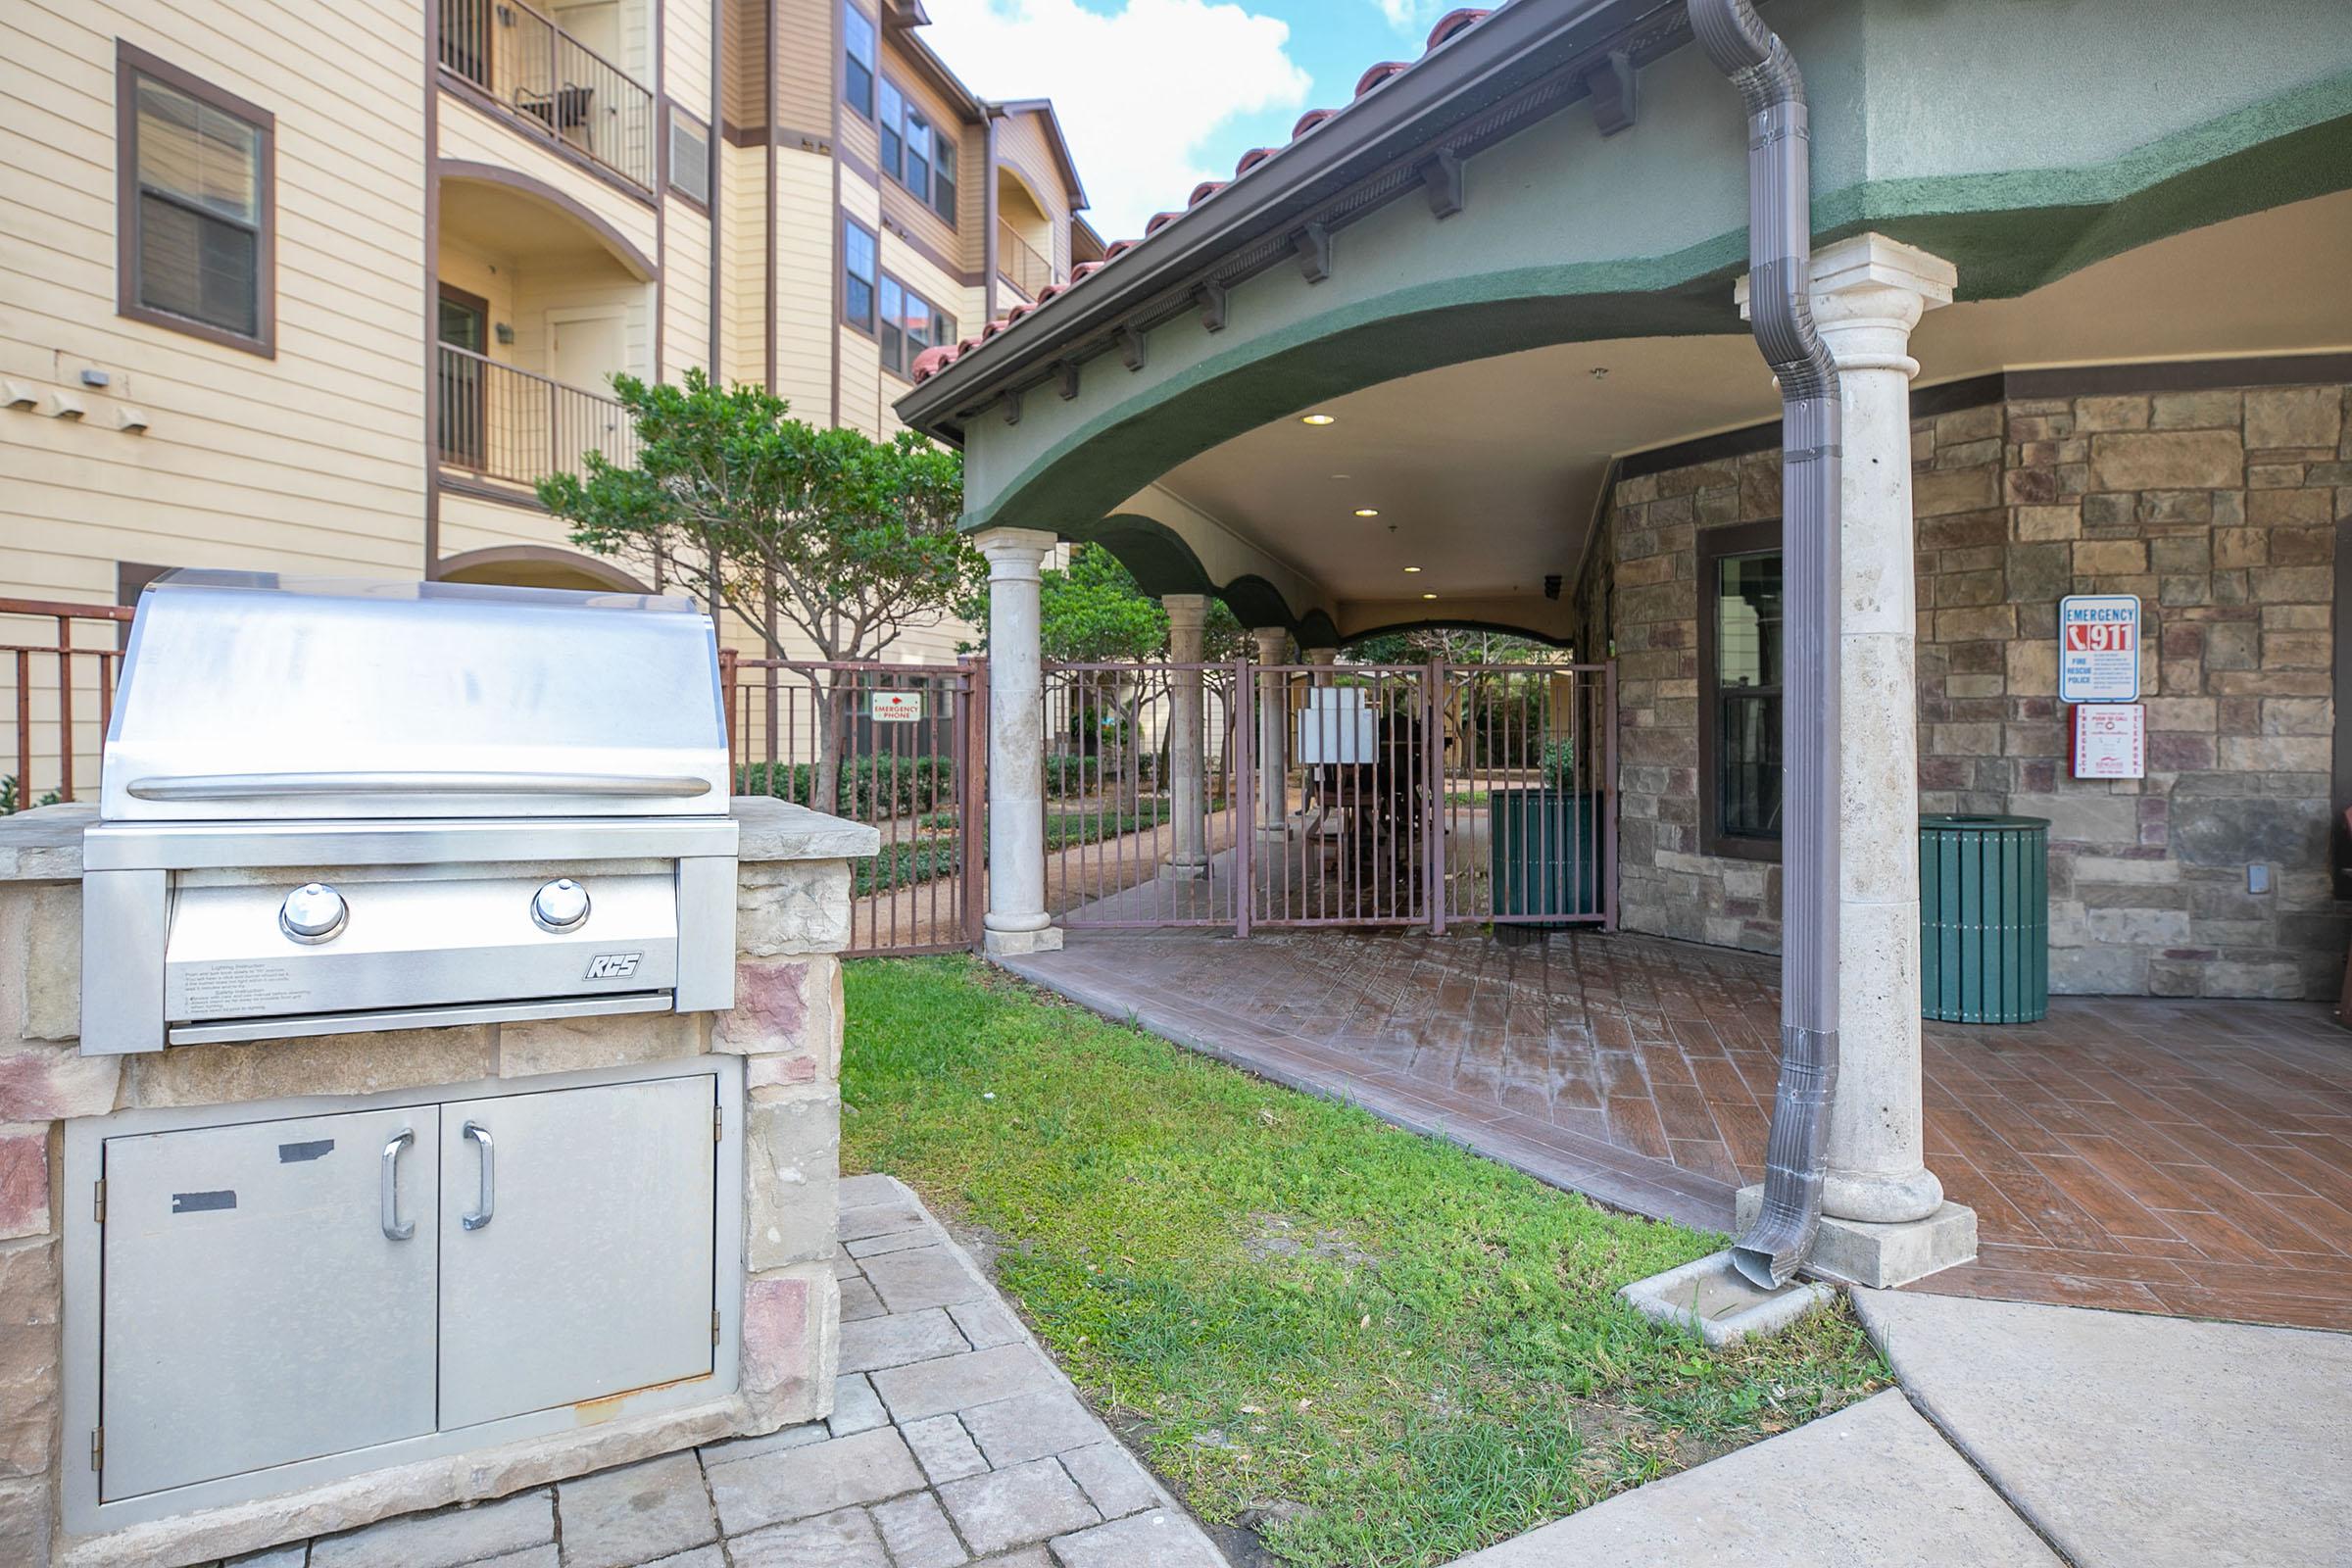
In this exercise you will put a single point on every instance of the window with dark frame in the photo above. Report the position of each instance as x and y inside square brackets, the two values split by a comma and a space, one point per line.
[858, 271]
[918, 155]
[857, 60]
[910, 324]
[1740, 690]
[196, 248]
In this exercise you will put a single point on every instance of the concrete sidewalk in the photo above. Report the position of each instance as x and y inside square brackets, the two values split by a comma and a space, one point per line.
[2116, 1437]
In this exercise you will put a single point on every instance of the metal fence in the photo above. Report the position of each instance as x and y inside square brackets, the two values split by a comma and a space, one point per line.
[505, 423]
[1410, 795]
[553, 83]
[903, 744]
[62, 661]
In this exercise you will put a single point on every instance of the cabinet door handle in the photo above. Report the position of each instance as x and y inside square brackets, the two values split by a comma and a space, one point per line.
[388, 1192]
[480, 1218]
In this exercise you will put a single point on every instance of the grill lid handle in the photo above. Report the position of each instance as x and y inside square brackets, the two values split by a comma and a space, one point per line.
[278, 786]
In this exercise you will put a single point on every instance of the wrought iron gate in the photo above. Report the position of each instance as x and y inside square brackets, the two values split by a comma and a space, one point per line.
[906, 745]
[1403, 796]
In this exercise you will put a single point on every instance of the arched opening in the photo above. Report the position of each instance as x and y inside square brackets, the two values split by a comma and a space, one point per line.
[541, 305]
[538, 567]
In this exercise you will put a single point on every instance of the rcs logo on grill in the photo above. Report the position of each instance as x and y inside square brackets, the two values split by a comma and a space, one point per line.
[612, 966]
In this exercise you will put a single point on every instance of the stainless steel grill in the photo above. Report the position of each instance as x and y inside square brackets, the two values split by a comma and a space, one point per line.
[337, 806]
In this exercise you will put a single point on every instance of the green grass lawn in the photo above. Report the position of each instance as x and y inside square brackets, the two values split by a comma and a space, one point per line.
[1284, 1300]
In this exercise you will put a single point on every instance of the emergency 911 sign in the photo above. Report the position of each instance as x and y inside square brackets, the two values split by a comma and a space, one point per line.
[2098, 648]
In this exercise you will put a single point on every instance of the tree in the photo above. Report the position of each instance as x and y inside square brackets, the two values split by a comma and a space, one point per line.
[848, 540]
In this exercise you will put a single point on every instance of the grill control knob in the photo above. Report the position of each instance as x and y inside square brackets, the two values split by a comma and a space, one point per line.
[560, 906]
[312, 913]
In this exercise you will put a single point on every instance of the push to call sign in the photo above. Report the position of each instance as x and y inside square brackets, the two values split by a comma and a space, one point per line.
[2098, 648]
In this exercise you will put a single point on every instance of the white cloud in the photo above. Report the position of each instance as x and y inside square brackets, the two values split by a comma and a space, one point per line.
[1137, 91]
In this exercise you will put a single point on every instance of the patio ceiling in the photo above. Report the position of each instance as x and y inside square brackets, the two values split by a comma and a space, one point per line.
[1487, 474]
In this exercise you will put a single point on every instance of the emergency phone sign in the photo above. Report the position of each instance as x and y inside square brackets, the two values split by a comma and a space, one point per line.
[2098, 648]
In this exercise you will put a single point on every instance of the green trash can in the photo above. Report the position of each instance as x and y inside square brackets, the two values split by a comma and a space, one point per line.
[1544, 854]
[1983, 918]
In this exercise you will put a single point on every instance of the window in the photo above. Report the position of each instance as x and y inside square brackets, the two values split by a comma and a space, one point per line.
[857, 273]
[1740, 666]
[196, 246]
[857, 60]
[917, 154]
[910, 324]
[943, 178]
[894, 117]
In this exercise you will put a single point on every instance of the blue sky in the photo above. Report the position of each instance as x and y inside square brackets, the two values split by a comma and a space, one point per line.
[1158, 94]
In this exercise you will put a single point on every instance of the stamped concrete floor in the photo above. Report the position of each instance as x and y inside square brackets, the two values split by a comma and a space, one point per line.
[2187, 1157]
[952, 1440]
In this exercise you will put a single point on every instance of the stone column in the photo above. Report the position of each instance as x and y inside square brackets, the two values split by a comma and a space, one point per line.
[1273, 735]
[1322, 658]
[1188, 847]
[1868, 293]
[1017, 920]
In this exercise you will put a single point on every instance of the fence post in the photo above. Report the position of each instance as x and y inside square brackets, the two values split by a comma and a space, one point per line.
[971, 811]
[1433, 811]
[726, 698]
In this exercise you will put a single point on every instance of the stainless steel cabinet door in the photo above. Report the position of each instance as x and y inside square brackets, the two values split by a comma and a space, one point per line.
[261, 1304]
[576, 1244]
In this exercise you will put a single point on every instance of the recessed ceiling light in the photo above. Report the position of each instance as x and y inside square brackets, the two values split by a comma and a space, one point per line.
[1429, 596]
[1367, 511]
[1412, 568]
[1315, 419]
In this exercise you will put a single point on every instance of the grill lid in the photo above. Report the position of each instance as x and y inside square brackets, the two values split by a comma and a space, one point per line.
[247, 696]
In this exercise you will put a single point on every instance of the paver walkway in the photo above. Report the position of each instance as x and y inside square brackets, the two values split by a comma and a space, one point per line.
[2190, 1157]
[952, 1440]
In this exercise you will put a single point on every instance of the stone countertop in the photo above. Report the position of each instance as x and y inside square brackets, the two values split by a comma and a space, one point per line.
[44, 844]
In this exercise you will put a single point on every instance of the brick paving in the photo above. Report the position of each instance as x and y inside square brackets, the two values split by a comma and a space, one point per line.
[2184, 1158]
[953, 1440]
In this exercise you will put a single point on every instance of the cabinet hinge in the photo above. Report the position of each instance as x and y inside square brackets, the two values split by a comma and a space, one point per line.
[714, 1325]
[98, 1447]
[718, 1124]
[98, 1200]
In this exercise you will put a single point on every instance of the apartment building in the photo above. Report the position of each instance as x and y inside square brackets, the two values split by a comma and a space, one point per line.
[328, 287]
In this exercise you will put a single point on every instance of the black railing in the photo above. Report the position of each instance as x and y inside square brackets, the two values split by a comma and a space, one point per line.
[504, 423]
[551, 82]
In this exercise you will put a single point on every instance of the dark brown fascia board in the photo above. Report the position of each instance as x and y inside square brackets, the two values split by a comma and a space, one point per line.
[1516, 48]
[1075, 194]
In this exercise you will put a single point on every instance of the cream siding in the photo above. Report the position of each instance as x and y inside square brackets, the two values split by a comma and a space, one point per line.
[472, 135]
[805, 314]
[686, 292]
[686, 55]
[742, 225]
[308, 461]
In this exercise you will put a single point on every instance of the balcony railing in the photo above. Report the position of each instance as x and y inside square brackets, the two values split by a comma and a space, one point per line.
[63, 692]
[500, 422]
[553, 83]
[1019, 263]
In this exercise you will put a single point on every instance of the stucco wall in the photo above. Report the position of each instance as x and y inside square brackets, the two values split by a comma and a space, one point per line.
[2220, 510]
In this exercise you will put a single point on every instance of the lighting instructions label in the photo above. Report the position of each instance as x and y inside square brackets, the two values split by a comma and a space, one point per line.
[237, 989]
[2098, 648]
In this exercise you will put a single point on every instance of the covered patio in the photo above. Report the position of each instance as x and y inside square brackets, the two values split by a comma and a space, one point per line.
[2184, 1158]
[1473, 351]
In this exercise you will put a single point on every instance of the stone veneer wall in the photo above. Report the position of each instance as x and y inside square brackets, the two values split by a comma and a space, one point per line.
[792, 918]
[2220, 510]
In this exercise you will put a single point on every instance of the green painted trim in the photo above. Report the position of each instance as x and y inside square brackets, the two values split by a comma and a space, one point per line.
[1162, 563]
[2006, 233]
[1441, 624]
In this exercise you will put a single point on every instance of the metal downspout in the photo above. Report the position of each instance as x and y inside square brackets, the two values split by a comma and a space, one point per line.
[1779, 253]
